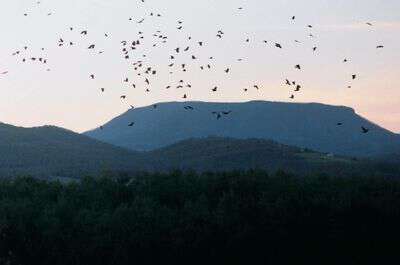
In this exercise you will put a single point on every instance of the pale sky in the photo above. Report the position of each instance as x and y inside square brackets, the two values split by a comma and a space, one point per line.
[66, 97]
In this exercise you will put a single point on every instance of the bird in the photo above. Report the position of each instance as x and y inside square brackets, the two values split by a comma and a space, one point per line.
[364, 130]
[214, 89]
[339, 124]
[379, 47]
[131, 124]
[354, 77]
[92, 76]
[278, 45]
[218, 114]
[297, 66]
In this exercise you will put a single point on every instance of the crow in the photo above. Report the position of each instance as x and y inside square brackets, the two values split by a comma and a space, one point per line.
[364, 130]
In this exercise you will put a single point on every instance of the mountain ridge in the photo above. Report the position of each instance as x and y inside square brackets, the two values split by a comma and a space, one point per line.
[55, 151]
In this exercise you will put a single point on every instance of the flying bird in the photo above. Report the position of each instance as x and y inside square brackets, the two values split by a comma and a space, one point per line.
[364, 130]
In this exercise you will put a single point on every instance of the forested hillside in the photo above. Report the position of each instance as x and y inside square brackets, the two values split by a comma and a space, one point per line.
[51, 151]
[227, 154]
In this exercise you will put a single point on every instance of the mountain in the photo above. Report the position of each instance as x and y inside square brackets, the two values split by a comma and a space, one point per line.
[314, 126]
[51, 151]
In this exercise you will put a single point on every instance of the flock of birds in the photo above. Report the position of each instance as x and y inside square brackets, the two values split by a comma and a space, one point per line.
[146, 73]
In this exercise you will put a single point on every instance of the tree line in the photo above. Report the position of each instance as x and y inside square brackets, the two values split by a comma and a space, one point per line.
[221, 218]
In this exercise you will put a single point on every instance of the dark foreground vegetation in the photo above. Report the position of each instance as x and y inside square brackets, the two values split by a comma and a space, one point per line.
[224, 218]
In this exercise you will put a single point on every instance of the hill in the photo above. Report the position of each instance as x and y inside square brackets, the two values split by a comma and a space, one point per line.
[228, 154]
[51, 151]
[314, 126]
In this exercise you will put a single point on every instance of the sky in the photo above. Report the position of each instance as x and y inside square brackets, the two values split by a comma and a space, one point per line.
[66, 96]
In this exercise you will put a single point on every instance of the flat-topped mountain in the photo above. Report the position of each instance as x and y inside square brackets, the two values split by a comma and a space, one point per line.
[324, 128]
